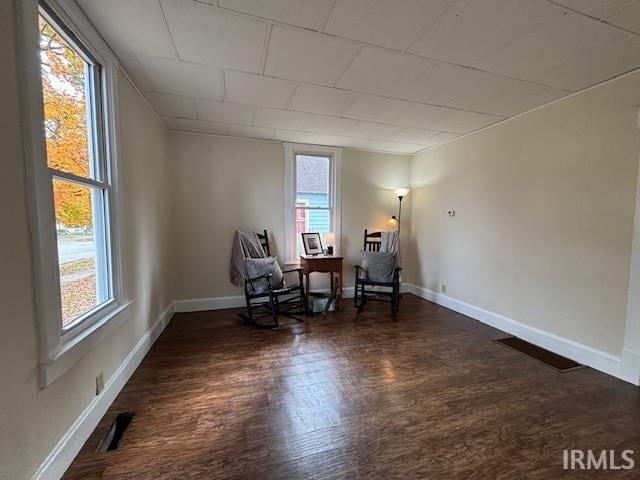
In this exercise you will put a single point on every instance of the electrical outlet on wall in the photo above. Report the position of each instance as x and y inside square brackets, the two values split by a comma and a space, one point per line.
[99, 383]
[443, 288]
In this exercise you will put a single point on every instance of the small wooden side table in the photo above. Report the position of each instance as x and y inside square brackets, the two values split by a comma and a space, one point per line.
[331, 264]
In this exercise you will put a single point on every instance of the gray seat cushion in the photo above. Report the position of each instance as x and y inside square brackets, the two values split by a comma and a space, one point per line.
[257, 267]
[378, 266]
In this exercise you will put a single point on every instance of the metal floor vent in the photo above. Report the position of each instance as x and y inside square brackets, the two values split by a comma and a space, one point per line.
[114, 435]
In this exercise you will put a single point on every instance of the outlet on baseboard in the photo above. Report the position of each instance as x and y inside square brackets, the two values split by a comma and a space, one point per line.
[99, 383]
[443, 288]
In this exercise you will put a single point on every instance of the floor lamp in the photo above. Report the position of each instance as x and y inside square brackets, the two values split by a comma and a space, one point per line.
[401, 193]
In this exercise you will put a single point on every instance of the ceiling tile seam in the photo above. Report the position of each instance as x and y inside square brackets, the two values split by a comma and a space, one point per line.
[302, 130]
[627, 5]
[424, 31]
[523, 99]
[584, 55]
[357, 92]
[166, 24]
[264, 140]
[347, 67]
[224, 85]
[355, 100]
[290, 99]
[323, 24]
[382, 139]
[557, 4]
[267, 44]
[362, 92]
[497, 50]
[602, 20]
[539, 89]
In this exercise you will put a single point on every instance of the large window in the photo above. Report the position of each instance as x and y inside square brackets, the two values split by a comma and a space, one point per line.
[76, 157]
[69, 99]
[313, 194]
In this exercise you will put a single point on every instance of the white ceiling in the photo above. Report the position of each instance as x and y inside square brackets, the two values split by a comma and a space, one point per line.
[384, 75]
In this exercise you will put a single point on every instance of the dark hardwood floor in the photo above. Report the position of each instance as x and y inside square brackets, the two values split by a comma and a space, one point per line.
[428, 396]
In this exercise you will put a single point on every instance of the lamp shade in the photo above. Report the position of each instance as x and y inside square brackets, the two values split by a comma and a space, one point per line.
[402, 192]
[330, 238]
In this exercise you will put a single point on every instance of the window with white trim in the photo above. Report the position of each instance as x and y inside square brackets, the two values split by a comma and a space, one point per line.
[312, 195]
[70, 103]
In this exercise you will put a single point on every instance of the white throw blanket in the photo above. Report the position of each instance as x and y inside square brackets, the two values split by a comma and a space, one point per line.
[245, 245]
[389, 241]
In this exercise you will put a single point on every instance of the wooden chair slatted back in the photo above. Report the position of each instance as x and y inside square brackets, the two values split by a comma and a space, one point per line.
[264, 241]
[372, 241]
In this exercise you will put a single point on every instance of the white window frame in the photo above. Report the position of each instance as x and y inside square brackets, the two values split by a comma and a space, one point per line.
[335, 194]
[61, 348]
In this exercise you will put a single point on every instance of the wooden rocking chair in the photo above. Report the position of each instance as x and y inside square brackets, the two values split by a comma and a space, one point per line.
[288, 301]
[362, 293]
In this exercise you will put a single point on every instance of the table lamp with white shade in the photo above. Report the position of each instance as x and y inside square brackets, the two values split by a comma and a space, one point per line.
[330, 238]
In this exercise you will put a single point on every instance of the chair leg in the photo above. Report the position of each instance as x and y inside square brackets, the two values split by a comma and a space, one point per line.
[274, 309]
[355, 293]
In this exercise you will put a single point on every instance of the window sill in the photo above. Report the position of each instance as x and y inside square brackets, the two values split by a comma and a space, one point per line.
[74, 349]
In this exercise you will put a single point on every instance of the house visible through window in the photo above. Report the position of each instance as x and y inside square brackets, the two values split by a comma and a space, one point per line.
[313, 194]
[78, 169]
[313, 202]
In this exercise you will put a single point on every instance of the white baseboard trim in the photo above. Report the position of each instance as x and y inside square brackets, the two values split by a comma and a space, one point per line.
[221, 303]
[625, 368]
[72, 441]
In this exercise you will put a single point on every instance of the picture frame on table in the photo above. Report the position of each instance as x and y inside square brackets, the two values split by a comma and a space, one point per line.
[312, 243]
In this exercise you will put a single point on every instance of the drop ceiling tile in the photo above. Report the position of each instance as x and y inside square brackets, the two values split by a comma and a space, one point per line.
[393, 24]
[595, 8]
[293, 136]
[439, 84]
[258, 90]
[303, 13]
[128, 25]
[207, 35]
[378, 109]
[441, 138]
[404, 148]
[349, 142]
[281, 119]
[381, 72]
[460, 121]
[542, 97]
[172, 105]
[307, 56]
[182, 78]
[328, 125]
[413, 135]
[197, 126]
[611, 60]
[491, 92]
[224, 112]
[378, 131]
[250, 132]
[560, 40]
[471, 30]
[324, 100]
[628, 18]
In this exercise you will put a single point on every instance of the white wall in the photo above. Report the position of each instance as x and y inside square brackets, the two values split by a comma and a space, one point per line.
[545, 206]
[226, 184]
[32, 420]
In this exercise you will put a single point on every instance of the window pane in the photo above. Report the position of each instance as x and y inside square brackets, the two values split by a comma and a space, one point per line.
[66, 103]
[315, 221]
[312, 180]
[84, 279]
